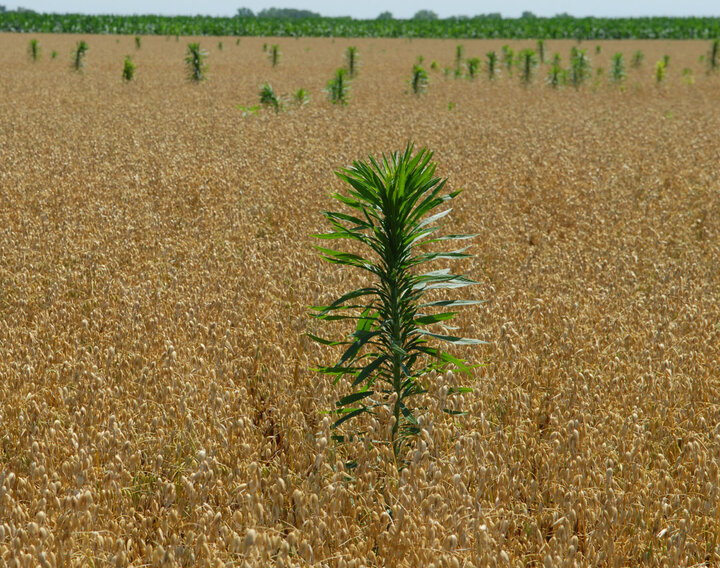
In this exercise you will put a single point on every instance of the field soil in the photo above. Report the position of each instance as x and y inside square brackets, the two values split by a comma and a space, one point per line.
[158, 403]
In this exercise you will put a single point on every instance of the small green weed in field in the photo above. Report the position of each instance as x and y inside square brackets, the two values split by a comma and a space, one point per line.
[508, 57]
[81, 48]
[195, 63]
[528, 62]
[556, 76]
[541, 50]
[419, 80]
[617, 68]
[338, 88]
[269, 99]
[128, 69]
[459, 55]
[637, 59]
[351, 55]
[138, 42]
[301, 97]
[660, 71]
[491, 60]
[34, 49]
[274, 54]
[579, 67]
[714, 56]
[472, 65]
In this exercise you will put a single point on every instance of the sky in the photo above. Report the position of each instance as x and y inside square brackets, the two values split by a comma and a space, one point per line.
[371, 8]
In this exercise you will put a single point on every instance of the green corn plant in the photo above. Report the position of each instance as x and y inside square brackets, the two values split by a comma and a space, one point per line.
[195, 63]
[34, 49]
[351, 55]
[713, 58]
[138, 42]
[338, 88]
[301, 97]
[617, 68]
[491, 60]
[541, 50]
[637, 59]
[472, 65]
[269, 99]
[508, 56]
[419, 79]
[660, 71]
[579, 67]
[556, 75]
[128, 69]
[274, 54]
[388, 357]
[528, 61]
[81, 49]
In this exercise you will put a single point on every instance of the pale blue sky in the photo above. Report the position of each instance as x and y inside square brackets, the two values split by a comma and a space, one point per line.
[371, 8]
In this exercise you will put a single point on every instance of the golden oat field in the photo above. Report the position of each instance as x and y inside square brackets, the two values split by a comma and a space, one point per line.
[158, 403]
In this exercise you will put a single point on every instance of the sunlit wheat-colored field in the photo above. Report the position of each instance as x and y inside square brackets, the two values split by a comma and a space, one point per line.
[158, 404]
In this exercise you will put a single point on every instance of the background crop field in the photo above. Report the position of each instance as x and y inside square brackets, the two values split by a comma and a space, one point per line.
[157, 399]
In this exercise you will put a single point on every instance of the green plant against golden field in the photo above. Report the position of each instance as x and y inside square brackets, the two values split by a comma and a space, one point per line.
[387, 356]
[196, 62]
[158, 405]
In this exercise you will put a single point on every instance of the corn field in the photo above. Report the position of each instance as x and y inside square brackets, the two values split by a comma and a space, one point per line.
[158, 399]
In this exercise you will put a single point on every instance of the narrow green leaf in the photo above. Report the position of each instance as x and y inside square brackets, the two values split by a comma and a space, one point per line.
[354, 397]
[349, 416]
[425, 320]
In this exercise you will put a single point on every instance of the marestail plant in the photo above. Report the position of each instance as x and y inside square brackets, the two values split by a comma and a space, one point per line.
[195, 63]
[138, 42]
[637, 59]
[301, 97]
[351, 55]
[556, 76]
[508, 57]
[338, 88]
[579, 67]
[541, 50]
[269, 99]
[660, 71]
[34, 49]
[714, 56]
[617, 68]
[419, 79]
[491, 62]
[472, 65]
[274, 54]
[527, 61]
[459, 55]
[128, 69]
[81, 48]
[388, 357]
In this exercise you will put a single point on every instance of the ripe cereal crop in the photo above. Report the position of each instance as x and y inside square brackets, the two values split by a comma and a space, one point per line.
[158, 403]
